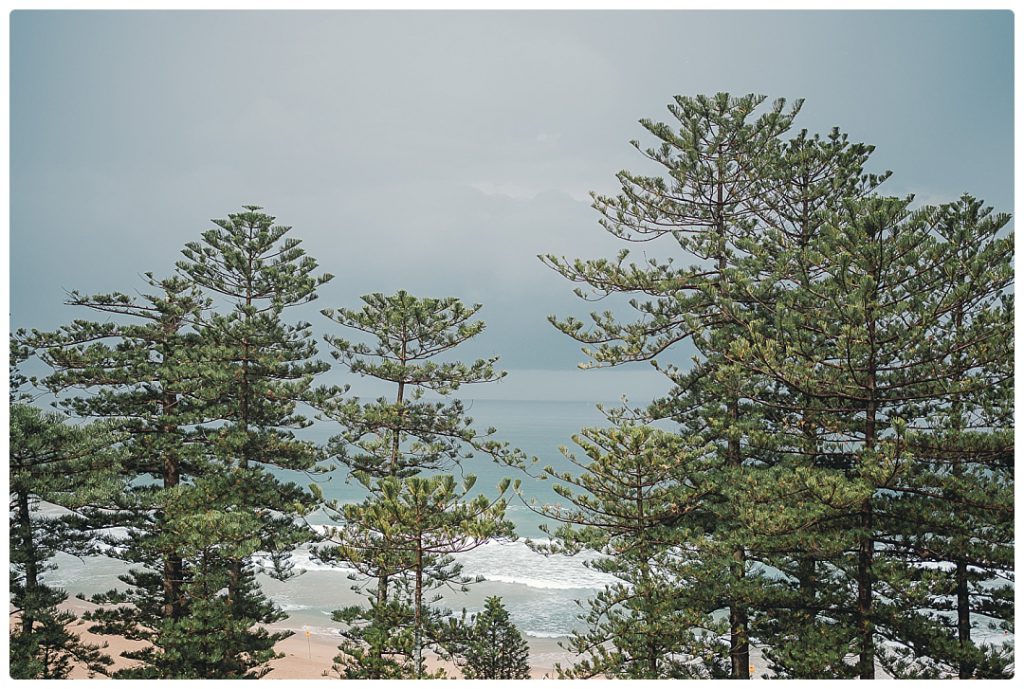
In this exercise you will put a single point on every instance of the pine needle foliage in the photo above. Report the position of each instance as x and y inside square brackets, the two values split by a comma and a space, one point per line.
[493, 647]
[416, 517]
[55, 462]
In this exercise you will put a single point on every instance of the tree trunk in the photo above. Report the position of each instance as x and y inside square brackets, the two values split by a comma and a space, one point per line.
[866, 550]
[172, 570]
[807, 577]
[382, 580]
[963, 620]
[31, 560]
[739, 645]
[235, 569]
[866, 666]
[963, 592]
[419, 608]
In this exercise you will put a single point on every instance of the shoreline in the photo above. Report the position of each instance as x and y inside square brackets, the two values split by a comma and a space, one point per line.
[302, 657]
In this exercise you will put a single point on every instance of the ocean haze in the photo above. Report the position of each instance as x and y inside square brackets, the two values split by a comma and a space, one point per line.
[440, 152]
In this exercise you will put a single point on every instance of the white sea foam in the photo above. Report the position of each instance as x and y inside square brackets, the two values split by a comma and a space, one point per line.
[312, 629]
[509, 562]
[303, 560]
[545, 635]
[950, 566]
[536, 583]
[293, 607]
[515, 563]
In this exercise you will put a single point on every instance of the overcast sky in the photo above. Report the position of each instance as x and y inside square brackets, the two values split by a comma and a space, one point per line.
[440, 152]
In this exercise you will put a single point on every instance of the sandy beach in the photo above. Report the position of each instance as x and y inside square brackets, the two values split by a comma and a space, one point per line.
[310, 657]
[304, 657]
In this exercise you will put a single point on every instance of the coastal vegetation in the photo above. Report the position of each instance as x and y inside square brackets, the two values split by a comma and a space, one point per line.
[828, 483]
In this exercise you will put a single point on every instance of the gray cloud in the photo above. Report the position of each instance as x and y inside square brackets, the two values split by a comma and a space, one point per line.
[440, 152]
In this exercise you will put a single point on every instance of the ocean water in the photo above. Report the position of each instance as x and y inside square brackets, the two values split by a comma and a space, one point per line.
[542, 593]
[539, 429]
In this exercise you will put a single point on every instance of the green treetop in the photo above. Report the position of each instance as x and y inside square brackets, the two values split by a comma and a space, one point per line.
[638, 496]
[410, 338]
[493, 648]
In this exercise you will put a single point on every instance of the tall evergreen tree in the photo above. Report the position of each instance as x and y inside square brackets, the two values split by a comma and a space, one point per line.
[423, 522]
[55, 462]
[869, 339]
[636, 499]
[493, 647]
[143, 372]
[716, 156]
[958, 497]
[809, 177]
[208, 400]
[263, 368]
[402, 537]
